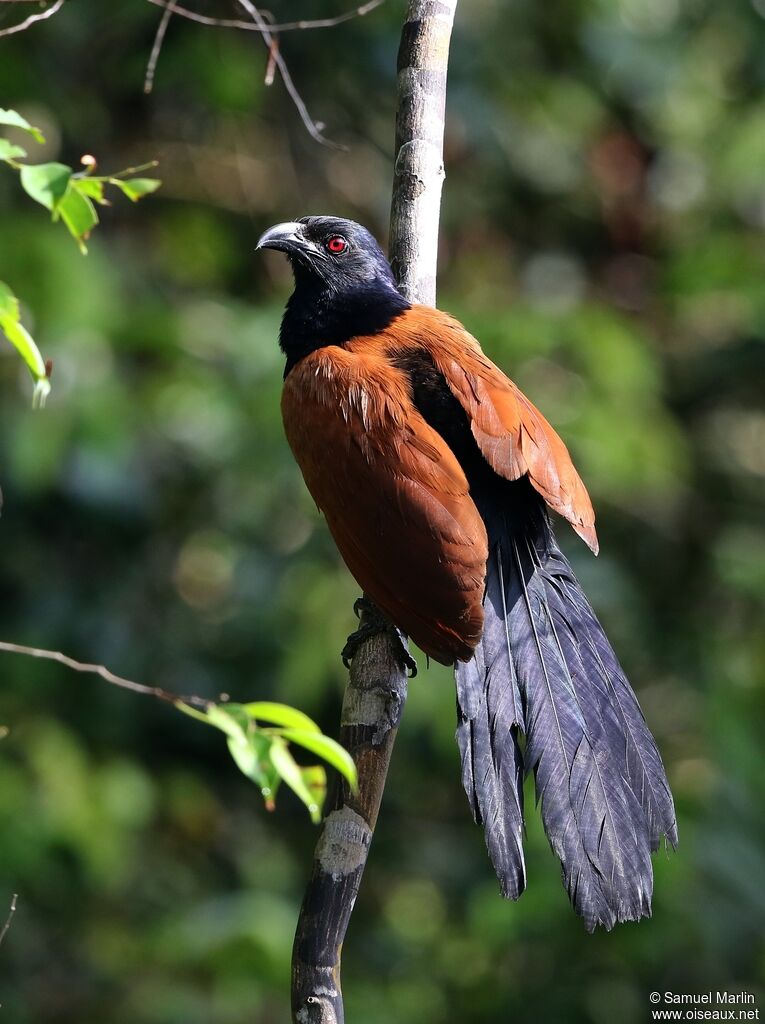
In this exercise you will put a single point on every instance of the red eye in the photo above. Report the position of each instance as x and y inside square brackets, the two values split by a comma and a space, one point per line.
[337, 244]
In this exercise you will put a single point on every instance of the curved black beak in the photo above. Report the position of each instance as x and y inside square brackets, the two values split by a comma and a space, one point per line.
[286, 237]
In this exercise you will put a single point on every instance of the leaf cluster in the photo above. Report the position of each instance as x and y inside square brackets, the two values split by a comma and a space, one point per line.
[261, 751]
[71, 197]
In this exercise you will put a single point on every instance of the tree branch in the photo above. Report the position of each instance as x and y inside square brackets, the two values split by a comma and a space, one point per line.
[418, 174]
[102, 671]
[268, 32]
[249, 26]
[314, 128]
[159, 38]
[372, 706]
[32, 18]
[9, 918]
[377, 686]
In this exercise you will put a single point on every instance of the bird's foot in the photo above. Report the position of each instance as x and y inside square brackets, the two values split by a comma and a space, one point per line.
[374, 623]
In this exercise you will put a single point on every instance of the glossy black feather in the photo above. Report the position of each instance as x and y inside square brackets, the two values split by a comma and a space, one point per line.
[545, 667]
[489, 719]
[575, 747]
[337, 298]
[632, 744]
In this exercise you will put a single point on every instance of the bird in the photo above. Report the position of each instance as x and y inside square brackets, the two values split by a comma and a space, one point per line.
[437, 478]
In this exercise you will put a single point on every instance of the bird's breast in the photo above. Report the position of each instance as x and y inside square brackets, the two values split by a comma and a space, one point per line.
[395, 497]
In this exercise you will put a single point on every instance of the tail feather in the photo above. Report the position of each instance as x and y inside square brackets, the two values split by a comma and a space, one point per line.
[489, 720]
[641, 759]
[587, 810]
[545, 667]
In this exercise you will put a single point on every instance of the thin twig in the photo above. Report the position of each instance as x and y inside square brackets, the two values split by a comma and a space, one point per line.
[104, 673]
[271, 65]
[9, 919]
[151, 67]
[268, 33]
[248, 26]
[314, 128]
[32, 18]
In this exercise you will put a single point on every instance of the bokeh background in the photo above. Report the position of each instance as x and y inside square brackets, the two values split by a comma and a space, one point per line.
[603, 236]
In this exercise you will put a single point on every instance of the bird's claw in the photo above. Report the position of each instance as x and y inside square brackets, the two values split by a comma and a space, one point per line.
[375, 624]
[407, 660]
[363, 604]
[357, 638]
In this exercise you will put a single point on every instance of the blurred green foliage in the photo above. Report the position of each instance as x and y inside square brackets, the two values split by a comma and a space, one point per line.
[602, 236]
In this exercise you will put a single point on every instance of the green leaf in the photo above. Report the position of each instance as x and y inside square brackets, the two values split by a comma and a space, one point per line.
[79, 215]
[135, 188]
[326, 748]
[9, 304]
[281, 714]
[249, 748]
[225, 721]
[216, 716]
[23, 342]
[46, 183]
[244, 754]
[15, 120]
[187, 709]
[252, 757]
[292, 774]
[251, 753]
[315, 779]
[9, 151]
[41, 392]
[93, 188]
[263, 756]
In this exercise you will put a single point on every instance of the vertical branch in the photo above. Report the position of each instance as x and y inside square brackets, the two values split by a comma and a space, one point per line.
[372, 706]
[377, 686]
[418, 175]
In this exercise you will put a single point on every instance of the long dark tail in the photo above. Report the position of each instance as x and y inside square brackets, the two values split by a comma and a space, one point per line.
[545, 668]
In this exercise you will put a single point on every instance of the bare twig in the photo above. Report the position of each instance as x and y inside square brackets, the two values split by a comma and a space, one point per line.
[159, 38]
[9, 919]
[32, 18]
[249, 26]
[271, 65]
[268, 33]
[314, 128]
[377, 687]
[102, 671]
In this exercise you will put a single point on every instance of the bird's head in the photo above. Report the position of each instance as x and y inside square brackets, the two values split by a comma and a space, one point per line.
[344, 286]
[329, 252]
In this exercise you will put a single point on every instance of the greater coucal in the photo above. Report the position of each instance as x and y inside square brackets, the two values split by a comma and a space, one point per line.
[435, 473]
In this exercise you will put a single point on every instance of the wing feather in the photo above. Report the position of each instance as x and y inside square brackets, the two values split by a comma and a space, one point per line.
[512, 434]
[395, 498]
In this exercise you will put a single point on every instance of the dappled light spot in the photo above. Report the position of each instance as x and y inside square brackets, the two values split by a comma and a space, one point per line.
[204, 570]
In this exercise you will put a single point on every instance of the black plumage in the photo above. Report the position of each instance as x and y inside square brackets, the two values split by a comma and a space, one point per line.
[545, 671]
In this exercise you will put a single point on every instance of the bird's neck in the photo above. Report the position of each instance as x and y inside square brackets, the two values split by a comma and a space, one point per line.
[317, 315]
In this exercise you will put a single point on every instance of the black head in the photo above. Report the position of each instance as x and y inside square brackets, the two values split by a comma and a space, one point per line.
[344, 286]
